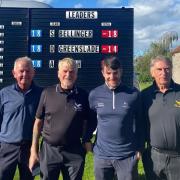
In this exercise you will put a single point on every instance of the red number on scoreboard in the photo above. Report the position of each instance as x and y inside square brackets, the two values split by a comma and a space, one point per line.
[109, 33]
[109, 49]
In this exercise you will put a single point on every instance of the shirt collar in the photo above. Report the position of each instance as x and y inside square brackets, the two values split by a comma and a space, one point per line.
[17, 88]
[171, 87]
[69, 91]
[117, 89]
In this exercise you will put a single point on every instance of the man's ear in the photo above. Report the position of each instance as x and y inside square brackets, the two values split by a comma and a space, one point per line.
[102, 71]
[58, 74]
[152, 73]
[13, 73]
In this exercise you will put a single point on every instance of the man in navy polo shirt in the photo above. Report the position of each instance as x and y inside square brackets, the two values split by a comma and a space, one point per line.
[18, 103]
[119, 139]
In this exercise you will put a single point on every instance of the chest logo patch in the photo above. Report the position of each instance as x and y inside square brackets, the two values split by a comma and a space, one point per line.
[177, 104]
[100, 105]
[78, 107]
[125, 105]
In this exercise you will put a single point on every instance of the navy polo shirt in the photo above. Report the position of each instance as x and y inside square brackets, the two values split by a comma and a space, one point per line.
[120, 125]
[17, 113]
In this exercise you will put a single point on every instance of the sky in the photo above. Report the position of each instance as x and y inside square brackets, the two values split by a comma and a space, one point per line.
[152, 18]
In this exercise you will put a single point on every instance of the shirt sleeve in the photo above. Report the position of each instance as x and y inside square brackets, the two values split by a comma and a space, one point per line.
[140, 125]
[90, 124]
[40, 113]
[145, 117]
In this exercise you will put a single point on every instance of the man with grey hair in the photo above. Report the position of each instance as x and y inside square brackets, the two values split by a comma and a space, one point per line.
[18, 103]
[62, 116]
[161, 103]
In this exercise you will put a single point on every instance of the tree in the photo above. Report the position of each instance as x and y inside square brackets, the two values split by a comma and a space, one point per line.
[167, 39]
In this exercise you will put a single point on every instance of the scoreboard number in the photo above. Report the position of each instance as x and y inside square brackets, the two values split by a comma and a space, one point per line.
[109, 33]
[36, 33]
[36, 48]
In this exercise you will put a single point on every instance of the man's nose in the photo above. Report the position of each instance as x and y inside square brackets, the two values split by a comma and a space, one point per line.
[24, 73]
[68, 73]
[111, 76]
[164, 71]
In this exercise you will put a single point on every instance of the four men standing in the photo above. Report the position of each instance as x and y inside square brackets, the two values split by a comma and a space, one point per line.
[63, 116]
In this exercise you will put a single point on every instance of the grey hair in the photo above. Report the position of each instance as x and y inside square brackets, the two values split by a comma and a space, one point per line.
[24, 59]
[70, 62]
[160, 58]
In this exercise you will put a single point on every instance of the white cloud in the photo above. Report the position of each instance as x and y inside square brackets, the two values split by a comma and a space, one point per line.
[176, 10]
[142, 10]
[79, 5]
[152, 19]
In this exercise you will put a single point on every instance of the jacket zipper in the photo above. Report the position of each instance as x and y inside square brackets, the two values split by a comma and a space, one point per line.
[113, 100]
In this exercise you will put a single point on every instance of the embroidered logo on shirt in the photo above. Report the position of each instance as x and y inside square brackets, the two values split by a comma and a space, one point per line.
[125, 105]
[78, 107]
[100, 104]
[177, 104]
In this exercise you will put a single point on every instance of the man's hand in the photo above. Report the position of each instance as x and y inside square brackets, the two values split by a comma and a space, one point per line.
[138, 155]
[88, 146]
[34, 159]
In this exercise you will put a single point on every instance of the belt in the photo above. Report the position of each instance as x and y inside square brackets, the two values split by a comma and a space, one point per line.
[165, 151]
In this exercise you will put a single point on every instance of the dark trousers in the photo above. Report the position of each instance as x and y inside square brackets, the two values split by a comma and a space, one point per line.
[56, 159]
[161, 166]
[11, 156]
[125, 169]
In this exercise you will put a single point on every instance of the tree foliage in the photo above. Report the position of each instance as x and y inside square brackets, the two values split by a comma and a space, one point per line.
[161, 47]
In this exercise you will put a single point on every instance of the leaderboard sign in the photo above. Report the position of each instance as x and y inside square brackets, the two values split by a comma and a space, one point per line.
[48, 35]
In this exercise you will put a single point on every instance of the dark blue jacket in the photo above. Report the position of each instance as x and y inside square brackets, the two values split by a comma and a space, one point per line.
[17, 113]
[119, 121]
